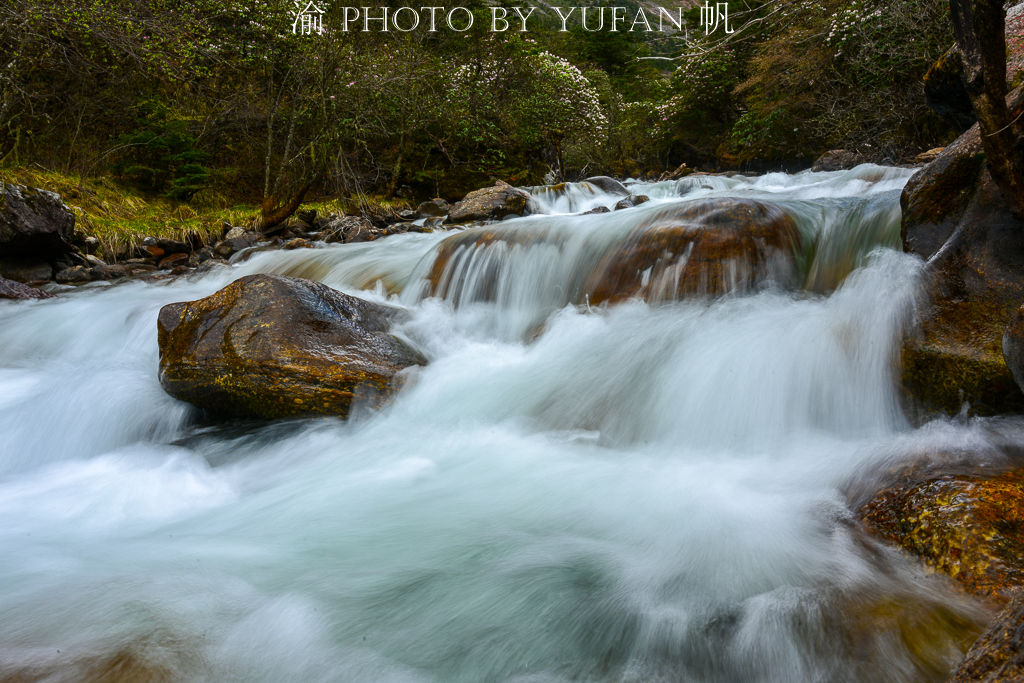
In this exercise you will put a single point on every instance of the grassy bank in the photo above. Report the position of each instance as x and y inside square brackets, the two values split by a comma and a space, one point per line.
[120, 216]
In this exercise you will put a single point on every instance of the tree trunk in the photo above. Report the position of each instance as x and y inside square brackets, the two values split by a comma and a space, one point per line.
[980, 31]
[271, 216]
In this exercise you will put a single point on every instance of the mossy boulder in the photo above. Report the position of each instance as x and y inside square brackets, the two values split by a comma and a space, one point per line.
[968, 526]
[998, 655]
[489, 203]
[272, 346]
[955, 218]
[704, 248]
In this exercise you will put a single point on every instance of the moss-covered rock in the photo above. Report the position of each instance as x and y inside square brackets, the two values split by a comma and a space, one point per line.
[272, 346]
[967, 526]
[709, 247]
[956, 219]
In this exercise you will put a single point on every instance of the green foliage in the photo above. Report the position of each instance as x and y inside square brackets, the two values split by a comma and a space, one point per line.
[178, 97]
[161, 156]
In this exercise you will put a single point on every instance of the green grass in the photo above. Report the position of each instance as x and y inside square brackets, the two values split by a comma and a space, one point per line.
[120, 216]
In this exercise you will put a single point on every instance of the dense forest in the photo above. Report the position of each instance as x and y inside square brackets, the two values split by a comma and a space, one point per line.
[183, 99]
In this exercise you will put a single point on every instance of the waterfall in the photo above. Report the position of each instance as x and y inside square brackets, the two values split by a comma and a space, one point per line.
[644, 488]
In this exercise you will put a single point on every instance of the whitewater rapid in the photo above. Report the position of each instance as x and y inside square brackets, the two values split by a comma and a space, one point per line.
[565, 493]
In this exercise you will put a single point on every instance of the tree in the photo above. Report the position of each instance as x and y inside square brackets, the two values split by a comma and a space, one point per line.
[980, 31]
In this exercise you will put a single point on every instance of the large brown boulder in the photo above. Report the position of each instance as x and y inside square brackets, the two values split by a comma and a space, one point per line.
[34, 222]
[998, 655]
[272, 346]
[704, 248]
[494, 202]
[955, 218]
[968, 526]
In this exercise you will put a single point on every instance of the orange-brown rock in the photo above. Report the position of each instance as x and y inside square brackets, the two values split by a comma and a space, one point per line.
[709, 247]
[998, 656]
[967, 526]
[955, 218]
[272, 346]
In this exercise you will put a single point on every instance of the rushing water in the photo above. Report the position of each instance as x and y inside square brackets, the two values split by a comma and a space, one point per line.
[566, 493]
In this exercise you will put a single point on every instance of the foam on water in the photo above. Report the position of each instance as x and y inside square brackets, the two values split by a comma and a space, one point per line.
[636, 494]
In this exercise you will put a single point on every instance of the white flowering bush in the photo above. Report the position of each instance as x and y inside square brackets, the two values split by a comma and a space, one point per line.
[522, 99]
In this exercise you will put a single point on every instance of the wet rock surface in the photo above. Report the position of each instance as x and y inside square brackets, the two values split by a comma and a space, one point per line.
[955, 218]
[271, 346]
[489, 203]
[998, 655]
[838, 160]
[968, 526]
[9, 289]
[711, 247]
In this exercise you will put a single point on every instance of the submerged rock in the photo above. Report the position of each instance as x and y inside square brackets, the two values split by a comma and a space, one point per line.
[710, 247]
[272, 346]
[967, 526]
[489, 203]
[956, 219]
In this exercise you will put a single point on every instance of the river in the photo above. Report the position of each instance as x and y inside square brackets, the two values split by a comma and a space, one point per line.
[630, 493]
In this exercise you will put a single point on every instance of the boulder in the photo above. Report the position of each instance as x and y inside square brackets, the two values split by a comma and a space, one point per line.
[703, 248]
[272, 346]
[25, 269]
[34, 223]
[9, 289]
[965, 525]
[596, 209]
[297, 243]
[73, 275]
[230, 246]
[434, 207]
[838, 160]
[608, 185]
[489, 203]
[998, 655]
[955, 218]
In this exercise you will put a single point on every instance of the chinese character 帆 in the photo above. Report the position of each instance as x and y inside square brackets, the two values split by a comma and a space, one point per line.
[709, 17]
